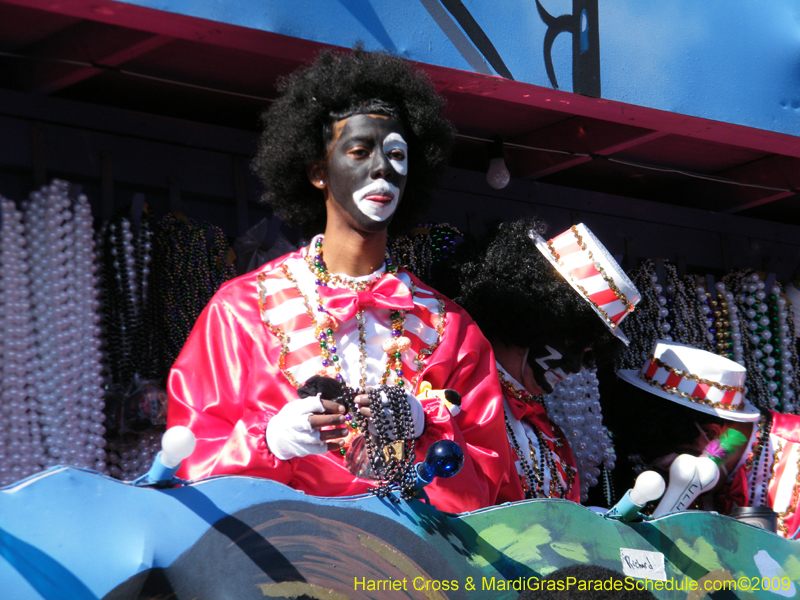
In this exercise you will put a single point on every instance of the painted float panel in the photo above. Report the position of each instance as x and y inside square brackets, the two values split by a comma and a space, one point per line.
[73, 534]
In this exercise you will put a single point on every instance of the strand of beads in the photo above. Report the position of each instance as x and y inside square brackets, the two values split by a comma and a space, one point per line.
[721, 319]
[86, 340]
[425, 246]
[129, 460]
[789, 358]
[189, 265]
[20, 439]
[67, 382]
[733, 336]
[706, 315]
[144, 340]
[326, 324]
[129, 279]
[770, 356]
[679, 321]
[394, 428]
[574, 406]
[316, 263]
[644, 325]
[117, 300]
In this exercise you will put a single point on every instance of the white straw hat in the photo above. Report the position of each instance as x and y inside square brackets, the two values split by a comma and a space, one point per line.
[592, 272]
[696, 379]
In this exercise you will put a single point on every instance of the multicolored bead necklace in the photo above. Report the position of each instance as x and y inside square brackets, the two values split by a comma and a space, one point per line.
[326, 324]
[323, 277]
[533, 470]
[522, 396]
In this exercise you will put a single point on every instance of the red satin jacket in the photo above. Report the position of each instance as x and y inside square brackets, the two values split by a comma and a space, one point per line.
[235, 370]
[782, 467]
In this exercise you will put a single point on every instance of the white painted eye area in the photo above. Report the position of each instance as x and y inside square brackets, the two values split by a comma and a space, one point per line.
[396, 150]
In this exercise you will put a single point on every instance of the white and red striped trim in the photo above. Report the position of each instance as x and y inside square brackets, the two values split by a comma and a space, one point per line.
[284, 312]
[588, 267]
[692, 387]
[695, 378]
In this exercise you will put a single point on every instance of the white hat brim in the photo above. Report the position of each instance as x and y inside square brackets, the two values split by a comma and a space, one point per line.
[748, 415]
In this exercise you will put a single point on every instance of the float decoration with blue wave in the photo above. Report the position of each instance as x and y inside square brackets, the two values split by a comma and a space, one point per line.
[74, 534]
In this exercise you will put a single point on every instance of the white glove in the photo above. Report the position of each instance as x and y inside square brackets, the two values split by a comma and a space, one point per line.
[417, 414]
[290, 435]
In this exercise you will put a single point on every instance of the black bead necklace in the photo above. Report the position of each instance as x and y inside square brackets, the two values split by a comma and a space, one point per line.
[391, 450]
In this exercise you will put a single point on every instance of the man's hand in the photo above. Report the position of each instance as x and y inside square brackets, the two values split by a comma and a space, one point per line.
[306, 426]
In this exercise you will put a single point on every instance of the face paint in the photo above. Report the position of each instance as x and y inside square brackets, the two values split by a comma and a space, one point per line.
[366, 169]
[378, 200]
[395, 147]
[554, 355]
[552, 363]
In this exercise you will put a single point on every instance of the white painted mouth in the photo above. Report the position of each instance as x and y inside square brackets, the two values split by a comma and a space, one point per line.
[378, 200]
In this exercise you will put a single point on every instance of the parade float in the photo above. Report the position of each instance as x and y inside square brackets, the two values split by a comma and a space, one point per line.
[74, 534]
[706, 119]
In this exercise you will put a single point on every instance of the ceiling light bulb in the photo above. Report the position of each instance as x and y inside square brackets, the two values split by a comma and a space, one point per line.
[497, 176]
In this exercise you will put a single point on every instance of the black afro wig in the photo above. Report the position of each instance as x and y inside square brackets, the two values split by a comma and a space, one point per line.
[516, 296]
[297, 130]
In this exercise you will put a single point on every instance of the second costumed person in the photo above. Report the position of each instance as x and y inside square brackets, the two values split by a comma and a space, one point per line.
[547, 307]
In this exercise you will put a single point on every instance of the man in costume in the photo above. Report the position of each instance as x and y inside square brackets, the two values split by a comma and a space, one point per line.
[683, 400]
[545, 306]
[351, 146]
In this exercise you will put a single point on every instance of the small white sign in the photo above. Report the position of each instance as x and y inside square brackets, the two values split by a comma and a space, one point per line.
[643, 564]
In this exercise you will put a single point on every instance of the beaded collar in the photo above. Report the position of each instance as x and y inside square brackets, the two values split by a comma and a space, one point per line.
[357, 284]
[521, 395]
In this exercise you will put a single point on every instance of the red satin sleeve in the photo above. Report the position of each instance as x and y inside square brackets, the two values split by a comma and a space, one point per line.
[464, 362]
[217, 389]
[786, 426]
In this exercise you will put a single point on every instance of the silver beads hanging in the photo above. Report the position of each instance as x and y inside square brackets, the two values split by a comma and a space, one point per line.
[52, 386]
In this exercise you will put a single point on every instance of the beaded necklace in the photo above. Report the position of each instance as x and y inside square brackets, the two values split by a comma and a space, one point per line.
[424, 247]
[644, 326]
[532, 469]
[770, 354]
[389, 453]
[574, 405]
[758, 461]
[317, 265]
[325, 324]
[189, 265]
[522, 396]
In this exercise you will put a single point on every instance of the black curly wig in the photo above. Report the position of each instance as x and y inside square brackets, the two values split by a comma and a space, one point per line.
[297, 130]
[516, 296]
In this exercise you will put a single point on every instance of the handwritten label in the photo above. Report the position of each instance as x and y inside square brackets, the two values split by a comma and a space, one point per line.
[643, 564]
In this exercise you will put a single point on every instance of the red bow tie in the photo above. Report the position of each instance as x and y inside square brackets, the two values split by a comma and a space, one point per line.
[387, 292]
[531, 410]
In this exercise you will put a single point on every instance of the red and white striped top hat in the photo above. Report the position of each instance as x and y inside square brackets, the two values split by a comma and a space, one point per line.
[696, 379]
[588, 267]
